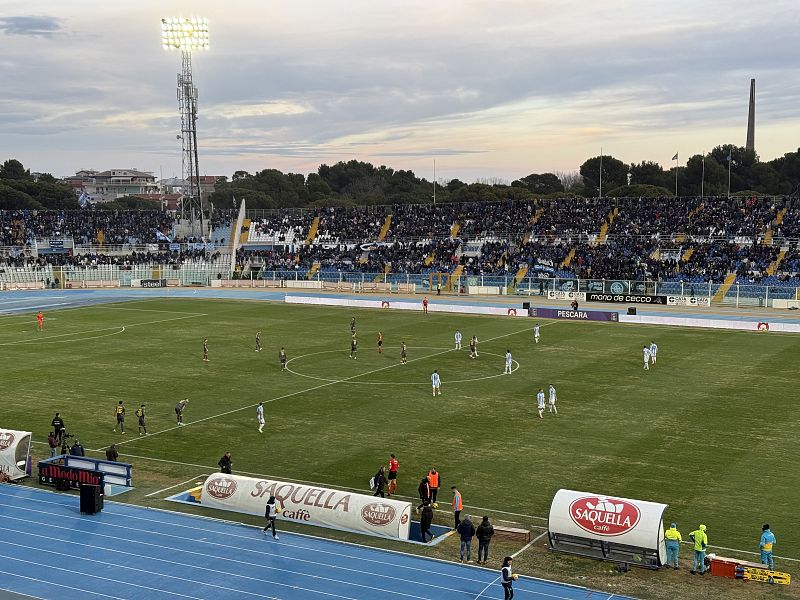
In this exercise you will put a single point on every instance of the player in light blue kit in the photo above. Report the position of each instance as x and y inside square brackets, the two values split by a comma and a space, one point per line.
[653, 352]
[458, 339]
[436, 383]
[509, 361]
[540, 403]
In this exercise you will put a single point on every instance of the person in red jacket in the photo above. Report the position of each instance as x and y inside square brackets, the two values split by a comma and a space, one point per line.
[425, 305]
[391, 479]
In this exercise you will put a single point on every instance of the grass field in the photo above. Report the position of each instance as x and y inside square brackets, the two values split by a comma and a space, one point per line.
[711, 430]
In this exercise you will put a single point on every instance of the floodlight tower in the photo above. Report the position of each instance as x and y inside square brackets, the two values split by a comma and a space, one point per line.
[188, 34]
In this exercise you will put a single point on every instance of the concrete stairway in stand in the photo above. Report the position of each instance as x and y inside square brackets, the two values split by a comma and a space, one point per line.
[723, 289]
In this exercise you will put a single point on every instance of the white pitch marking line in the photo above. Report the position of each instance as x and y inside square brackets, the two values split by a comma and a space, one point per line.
[175, 312]
[529, 544]
[74, 333]
[417, 383]
[176, 485]
[315, 483]
[311, 389]
[490, 584]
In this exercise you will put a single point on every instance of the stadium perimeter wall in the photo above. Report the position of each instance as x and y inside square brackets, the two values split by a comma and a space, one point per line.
[743, 324]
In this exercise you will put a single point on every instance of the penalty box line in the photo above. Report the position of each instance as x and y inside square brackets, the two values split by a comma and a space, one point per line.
[311, 389]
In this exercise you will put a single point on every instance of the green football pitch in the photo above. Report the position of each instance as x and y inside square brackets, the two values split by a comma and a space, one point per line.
[711, 429]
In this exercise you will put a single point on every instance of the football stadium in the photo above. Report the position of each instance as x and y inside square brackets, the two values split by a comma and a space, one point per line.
[362, 383]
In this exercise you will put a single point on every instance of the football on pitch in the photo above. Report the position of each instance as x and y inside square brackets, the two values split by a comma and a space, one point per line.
[435, 505]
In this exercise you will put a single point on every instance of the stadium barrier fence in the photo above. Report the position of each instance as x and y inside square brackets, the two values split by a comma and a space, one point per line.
[203, 273]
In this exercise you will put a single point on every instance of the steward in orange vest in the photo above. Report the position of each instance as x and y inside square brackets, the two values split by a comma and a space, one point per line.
[433, 479]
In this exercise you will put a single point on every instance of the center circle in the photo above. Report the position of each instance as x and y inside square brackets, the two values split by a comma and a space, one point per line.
[348, 380]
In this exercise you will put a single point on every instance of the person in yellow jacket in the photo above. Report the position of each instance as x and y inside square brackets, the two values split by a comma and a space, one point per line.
[700, 539]
[673, 537]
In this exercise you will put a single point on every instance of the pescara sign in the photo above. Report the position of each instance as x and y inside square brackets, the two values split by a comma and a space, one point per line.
[604, 516]
[312, 505]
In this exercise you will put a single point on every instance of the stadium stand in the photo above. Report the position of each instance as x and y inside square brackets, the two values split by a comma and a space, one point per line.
[719, 242]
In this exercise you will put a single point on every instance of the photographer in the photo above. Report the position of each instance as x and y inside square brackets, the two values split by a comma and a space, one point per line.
[77, 449]
[112, 454]
[58, 427]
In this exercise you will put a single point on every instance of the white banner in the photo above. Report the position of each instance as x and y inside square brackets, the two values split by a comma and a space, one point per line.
[623, 521]
[692, 301]
[310, 505]
[562, 295]
[395, 304]
[15, 446]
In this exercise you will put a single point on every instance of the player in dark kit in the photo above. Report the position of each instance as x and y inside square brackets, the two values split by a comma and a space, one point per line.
[179, 410]
[403, 353]
[140, 415]
[380, 343]
[353, 325]
[258, 341]
[282, 356]
[205, 350]
[353, 346]
[119, 411]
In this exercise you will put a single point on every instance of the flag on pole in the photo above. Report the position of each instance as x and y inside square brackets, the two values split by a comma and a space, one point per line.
[675, 157]
[161, 237]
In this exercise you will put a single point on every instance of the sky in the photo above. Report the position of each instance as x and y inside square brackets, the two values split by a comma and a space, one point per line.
[490, 90]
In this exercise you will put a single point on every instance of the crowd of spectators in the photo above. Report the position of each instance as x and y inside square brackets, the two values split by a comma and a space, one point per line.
[21, 227]
[132, 259]
[667, 239]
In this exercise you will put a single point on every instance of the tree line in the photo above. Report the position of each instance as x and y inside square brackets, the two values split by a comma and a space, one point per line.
[355, 182]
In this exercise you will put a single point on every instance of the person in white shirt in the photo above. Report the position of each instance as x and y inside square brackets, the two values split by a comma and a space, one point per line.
[536, 333]
[273, 508]
[552, 400]
[260, 415]
[458, 339]
[436, 383]
[653, 352]
[646, 352]
[509, 360]
[540, 403]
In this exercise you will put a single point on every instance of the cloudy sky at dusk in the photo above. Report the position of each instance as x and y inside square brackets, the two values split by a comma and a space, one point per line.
[488, 88]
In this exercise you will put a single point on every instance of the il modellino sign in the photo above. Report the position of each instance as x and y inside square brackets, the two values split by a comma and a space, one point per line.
[622, 521]
[312, 505]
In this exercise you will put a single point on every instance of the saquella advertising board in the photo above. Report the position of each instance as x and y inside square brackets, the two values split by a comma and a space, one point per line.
[309, 504]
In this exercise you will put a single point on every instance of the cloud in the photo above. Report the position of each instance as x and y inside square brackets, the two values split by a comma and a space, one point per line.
[31, 26]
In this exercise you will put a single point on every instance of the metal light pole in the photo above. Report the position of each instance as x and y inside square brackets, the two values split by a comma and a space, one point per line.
[187, 34]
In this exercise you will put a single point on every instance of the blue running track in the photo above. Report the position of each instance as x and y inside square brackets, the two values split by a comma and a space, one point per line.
[49, 550]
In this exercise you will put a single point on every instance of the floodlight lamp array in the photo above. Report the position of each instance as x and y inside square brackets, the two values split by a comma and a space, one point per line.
[184, 33]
